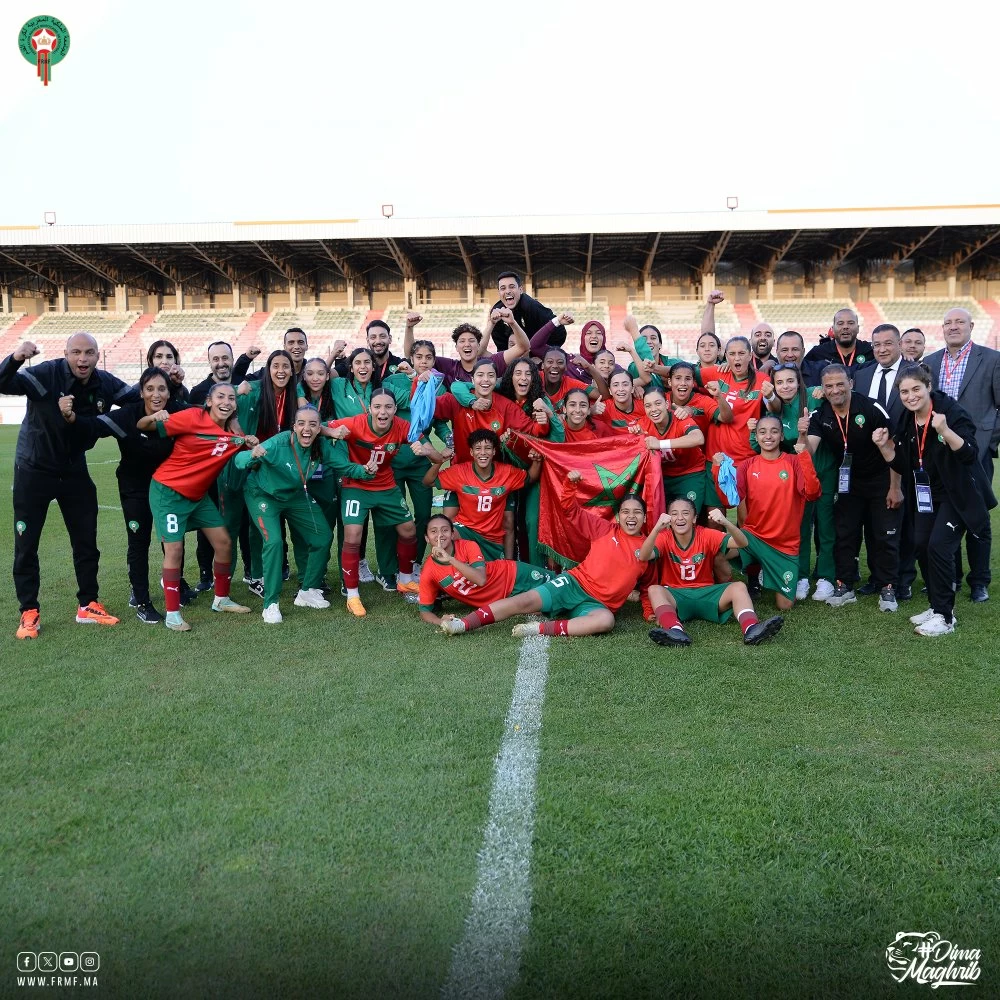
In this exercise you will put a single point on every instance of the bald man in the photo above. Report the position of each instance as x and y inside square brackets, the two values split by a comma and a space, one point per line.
[844, 348]
[65, 396]
[970, 374]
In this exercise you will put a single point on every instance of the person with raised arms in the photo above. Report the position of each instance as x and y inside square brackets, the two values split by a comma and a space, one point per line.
[206, 439]
[685, 586]
[457, 568]
[590, 593]
[679, 442]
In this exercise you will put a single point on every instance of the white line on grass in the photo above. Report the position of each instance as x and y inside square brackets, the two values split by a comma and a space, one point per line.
[485, 963]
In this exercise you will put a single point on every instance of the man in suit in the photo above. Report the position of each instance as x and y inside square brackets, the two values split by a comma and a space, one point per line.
[880, 382]
[970, 374]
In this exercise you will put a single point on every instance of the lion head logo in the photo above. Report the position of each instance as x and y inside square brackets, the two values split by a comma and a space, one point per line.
[908, 947]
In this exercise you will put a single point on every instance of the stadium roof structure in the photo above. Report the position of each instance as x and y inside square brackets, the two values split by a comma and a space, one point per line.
[738, 247]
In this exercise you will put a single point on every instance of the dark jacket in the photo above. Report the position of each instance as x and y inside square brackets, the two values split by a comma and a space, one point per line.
[141, 453]
[531, 316]
[46, 442]
[960, 471]
[827, 351]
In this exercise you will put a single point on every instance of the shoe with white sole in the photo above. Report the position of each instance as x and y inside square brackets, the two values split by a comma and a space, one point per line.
[228, 604]
[365, 575]
[926, 616]
[824, 590]
[842, 594]
[311, 599]
[802, 589]
[887, 599]
[452, 626]
[935, 625]
[272, 615]
[175, 623]
[524, 630]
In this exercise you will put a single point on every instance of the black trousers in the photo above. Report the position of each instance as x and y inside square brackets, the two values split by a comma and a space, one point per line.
[977, 548]
[77, 498]
[907, 546]
[938, 539]
[849, 512]
[139, 530]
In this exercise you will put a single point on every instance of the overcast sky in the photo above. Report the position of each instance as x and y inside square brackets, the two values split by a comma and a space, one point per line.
[222, 111]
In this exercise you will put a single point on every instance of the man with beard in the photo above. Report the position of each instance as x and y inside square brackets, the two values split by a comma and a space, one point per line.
[913, 344]
[50, 464]
[762, 342]
[220, 362]
[844, 348]
[529, 313]
[379, 338]
[295, 342]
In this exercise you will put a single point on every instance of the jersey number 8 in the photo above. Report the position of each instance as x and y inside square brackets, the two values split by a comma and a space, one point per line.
[220, 446]
[172, 525]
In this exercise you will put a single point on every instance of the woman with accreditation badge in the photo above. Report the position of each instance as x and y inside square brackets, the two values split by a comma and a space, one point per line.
[934, 450]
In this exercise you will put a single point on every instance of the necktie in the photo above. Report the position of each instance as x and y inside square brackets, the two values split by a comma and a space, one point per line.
[881, 387]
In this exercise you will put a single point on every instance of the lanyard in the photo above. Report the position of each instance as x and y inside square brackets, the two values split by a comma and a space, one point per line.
[302, 475]
[843, 426]
[921, 438]
[381, 374]
[847, 362]
[361, 396]
[961, 354]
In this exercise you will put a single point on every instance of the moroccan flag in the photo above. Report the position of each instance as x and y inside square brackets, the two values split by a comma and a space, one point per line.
[612, 468]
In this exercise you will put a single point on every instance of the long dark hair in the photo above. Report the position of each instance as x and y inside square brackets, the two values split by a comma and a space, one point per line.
[269, 421]
[802, 397]
[588, 420]
[350, 363]
[325, 404]
[535, 390]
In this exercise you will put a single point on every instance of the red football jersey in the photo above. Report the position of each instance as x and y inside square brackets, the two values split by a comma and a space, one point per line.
[363, 443]
[775, 493]
[438, 578]
[746, 401]
[635, 422]
[683, 460]
[481, 502]
[690, 567]
[502, 414]
[556, 398]
[201, 450]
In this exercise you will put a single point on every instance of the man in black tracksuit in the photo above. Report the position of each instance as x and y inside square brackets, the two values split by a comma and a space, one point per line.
[50, 464]
[845, 423]
[530, 314]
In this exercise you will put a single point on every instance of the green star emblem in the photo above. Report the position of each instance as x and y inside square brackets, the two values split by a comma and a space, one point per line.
[612, 482]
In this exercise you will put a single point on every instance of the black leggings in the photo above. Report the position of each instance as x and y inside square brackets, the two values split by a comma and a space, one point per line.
[937, 540]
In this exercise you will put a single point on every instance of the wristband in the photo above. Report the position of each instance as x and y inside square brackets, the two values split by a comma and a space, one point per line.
[666, 445]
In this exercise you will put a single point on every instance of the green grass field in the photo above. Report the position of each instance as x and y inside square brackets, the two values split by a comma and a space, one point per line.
[278, 811]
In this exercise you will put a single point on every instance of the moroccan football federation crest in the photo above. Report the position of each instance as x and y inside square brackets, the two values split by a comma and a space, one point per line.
[44, 41]
[860, 420]
[783, 474]
[133, 526]
[21, 527]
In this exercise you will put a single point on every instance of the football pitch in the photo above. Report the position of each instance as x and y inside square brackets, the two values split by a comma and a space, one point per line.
[299, 810]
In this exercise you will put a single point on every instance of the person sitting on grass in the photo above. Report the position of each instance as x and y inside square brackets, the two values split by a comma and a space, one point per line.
[205, 441]
[457, 568]
[686, 587]
[591, 592]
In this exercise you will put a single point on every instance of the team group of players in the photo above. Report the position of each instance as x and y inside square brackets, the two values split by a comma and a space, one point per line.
[851, 443]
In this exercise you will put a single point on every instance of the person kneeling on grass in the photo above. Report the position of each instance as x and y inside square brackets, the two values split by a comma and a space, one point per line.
[278, 487]
[456, 567]
[205, 440]
[687, 589]
[590, 593]
[774, 488]
[481, 489]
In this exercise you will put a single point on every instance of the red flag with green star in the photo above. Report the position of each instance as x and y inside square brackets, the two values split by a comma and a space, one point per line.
[612, 468]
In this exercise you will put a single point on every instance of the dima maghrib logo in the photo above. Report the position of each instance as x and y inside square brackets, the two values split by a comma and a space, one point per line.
[926, 958]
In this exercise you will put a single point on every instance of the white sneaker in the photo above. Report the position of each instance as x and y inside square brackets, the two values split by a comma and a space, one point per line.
[365, 575]
[802, 589]
[452, 626]
[824, 589]
[525, 630]
[272, 615]
[926, 616]
[311, 599]
[935, 625]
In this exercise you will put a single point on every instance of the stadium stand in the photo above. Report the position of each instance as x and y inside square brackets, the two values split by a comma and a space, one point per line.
[437, 324]
[810, 317]
[927, 314]
[51, 330]
[325, 323]
[12, 327]
[679, 322]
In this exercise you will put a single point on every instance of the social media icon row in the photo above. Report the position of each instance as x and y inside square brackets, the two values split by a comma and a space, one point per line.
[65, 961]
